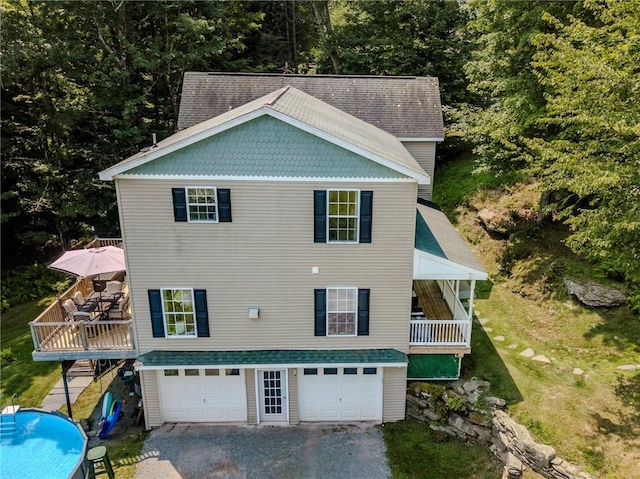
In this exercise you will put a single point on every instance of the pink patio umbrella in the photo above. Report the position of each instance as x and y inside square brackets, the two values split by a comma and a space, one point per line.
[90, 261]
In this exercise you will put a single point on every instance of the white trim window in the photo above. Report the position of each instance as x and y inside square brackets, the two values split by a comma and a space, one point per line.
[343, 207]
[178, 310]
[342, 311]
[202, 204]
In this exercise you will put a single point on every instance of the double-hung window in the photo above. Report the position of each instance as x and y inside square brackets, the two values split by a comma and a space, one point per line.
[202, 204]
[179, 312]
[343, 214]
[342, 311]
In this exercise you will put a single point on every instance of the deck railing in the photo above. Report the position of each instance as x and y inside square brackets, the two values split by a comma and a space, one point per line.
[55, 313]
[437, 332]
[75, 336]
[100, 242]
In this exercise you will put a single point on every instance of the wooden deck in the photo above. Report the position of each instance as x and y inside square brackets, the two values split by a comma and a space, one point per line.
[56, 337]
[431, 301]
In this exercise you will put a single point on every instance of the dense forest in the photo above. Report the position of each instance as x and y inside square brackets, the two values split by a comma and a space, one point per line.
[547, 90]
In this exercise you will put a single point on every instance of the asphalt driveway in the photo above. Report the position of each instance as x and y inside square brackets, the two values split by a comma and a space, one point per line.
[254, 452]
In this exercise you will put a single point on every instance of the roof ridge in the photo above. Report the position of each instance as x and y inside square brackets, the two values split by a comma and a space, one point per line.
[279, 94]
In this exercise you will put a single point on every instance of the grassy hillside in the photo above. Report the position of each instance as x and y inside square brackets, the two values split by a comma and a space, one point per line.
[580, 403]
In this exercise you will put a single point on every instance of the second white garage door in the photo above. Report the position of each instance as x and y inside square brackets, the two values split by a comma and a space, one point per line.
[203, 395]
[340, 394]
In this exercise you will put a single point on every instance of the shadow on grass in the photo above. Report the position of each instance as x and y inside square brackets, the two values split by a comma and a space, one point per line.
[620, 329]
[417, 452]
[485, 363]
[483, 289]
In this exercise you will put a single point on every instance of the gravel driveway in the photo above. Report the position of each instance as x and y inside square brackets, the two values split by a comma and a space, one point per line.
[251, 452]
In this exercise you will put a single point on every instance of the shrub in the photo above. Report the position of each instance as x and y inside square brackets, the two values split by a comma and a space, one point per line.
[28, 283]
[457, 404]
[6, 355]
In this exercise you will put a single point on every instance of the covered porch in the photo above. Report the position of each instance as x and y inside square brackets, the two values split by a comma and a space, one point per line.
[445, 273]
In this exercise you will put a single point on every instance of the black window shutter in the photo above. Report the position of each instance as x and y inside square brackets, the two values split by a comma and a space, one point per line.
[321, 312]
[155, 306]
[363, 312]
[320, 216]
[179, 204]
[366, 216]
[224, 205]
[202, 315]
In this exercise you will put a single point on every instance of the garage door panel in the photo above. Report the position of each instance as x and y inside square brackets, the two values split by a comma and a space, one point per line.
[203, 398]
[341, 397]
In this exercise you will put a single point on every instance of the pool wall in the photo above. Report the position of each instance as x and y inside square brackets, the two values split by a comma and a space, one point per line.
[80, 471]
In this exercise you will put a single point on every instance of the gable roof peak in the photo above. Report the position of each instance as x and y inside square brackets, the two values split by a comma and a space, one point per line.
[302, 111]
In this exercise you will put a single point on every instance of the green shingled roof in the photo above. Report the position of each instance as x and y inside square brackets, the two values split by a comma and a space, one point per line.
[424, 240]
[262, 357]
[268, 147]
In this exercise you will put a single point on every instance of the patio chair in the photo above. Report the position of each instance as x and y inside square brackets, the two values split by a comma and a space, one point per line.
[113, 287]
[73, 314]
[78, 299]
[120, 310]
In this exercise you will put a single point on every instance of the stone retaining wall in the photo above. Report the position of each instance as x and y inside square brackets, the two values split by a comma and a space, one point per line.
[451, 412]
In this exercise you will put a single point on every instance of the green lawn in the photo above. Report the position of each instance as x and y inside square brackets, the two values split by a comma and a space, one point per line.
[592, 419]
[416, 452]
[20, 374]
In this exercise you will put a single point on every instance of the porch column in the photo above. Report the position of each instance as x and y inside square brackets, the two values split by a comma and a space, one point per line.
[471, 295]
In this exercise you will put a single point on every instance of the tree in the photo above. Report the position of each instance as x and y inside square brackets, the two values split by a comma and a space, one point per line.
[409, 37]
[84, 85]
[501, 74]
[592, 91]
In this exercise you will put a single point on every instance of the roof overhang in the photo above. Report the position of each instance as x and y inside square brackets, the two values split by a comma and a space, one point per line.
[429, 266]
[155, 360]
[439, 250]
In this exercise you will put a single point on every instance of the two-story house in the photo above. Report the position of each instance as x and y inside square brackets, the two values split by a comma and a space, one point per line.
[284, 262]
[271, 256]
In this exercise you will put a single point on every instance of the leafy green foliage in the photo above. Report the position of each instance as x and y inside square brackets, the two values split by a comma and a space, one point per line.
[560, 85]
[403, 38]
[590, 74]
[84, 85]
[28, 283]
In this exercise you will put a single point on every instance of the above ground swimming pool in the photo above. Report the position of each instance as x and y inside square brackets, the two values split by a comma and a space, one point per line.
[43, 445]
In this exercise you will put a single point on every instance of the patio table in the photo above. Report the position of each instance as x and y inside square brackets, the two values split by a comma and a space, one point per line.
[100, 303]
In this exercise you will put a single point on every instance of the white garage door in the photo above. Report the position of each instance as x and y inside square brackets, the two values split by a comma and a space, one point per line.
[340, 394]
[203, 395]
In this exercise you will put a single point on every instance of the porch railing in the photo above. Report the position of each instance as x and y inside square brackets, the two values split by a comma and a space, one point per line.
[73, 336]
[436, 332]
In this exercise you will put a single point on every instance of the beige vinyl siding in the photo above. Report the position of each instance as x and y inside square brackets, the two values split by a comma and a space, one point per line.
[149, 383]
[264, 258]
[424, 153]
[292, 380]
[394, 394]
[250, 381]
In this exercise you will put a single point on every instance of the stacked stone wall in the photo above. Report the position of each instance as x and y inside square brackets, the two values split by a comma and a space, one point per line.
[453, 412]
